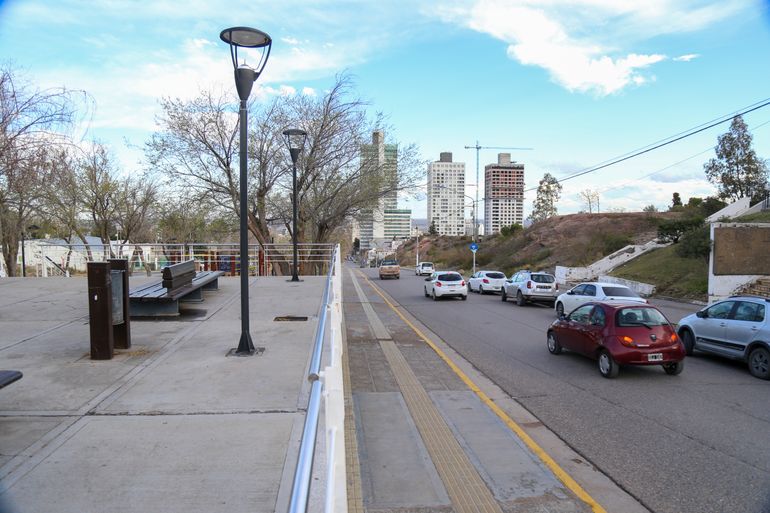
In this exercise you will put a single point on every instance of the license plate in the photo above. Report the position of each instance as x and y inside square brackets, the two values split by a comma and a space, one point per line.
[542, 287]
[655, 357]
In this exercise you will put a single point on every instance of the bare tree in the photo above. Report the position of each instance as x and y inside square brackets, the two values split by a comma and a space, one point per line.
[135, 199]
[99, 191]
[590, 198]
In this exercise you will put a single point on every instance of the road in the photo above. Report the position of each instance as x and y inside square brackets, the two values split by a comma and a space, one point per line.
[698, 442]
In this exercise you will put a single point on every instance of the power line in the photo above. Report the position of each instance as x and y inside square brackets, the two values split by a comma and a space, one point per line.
[665, 142]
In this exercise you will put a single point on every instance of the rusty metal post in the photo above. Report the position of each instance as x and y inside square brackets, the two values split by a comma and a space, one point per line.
[122, 332]
[100, 310]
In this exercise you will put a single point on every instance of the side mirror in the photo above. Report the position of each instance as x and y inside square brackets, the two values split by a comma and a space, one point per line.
[562, 317]
[570, 293]
[427, 279]
[702, 314]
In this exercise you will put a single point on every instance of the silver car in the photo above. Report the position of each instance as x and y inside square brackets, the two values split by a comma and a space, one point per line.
[531, 287]
[736, 328]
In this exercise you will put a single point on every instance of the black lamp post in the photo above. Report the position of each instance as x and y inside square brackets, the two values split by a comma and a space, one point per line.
[31, 227]
[295, 140]
[245, 76]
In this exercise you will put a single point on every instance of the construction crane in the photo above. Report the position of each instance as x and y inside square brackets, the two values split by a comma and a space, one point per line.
[477, 147]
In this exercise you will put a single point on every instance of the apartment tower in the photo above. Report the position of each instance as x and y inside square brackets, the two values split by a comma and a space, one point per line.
[503, 194]
[446, 192]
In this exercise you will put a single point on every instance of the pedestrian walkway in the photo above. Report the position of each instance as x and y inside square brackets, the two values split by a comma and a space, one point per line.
[171, 424]
[431, 440]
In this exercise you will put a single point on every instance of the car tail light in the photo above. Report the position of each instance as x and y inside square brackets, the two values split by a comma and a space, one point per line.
[626, 341]
[462, 284]
[557, 286]
[674, 338]
[438, 284]
[485, 280]
[529, 284]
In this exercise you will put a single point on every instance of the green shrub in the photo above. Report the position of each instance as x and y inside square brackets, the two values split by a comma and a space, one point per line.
[671, 230]
[695, 243]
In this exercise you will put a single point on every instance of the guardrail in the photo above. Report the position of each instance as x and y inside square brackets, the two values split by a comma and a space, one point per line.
[52, 258]
[325, 384]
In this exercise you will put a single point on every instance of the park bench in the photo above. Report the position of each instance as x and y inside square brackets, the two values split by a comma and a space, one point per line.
[9, 376]
[180, 283]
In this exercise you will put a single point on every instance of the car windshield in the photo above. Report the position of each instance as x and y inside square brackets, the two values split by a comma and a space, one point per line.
[542, 278]
[427, 264]
[450, 277]
[496, 276]
[639, 316]
[389, 262]
[619, 291]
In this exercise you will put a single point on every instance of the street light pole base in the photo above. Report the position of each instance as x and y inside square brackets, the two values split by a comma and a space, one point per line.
[245, 346]
[296, 280]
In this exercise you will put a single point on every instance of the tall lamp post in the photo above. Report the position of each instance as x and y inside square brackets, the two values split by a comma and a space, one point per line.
[245, 76]
[295, 140]
[23, 255]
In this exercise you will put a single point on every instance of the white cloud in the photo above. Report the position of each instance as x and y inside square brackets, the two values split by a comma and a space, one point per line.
[290, 40]
[308, 91]
[686, 58]
[562, 36]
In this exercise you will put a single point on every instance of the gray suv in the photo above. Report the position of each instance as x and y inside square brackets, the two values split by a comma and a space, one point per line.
[531, 287]
[736, 328]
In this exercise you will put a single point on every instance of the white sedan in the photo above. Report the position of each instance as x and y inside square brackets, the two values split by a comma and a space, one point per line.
[445, 284]
[486, 281]
[594, 291]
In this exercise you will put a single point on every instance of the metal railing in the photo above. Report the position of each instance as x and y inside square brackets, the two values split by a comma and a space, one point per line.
[271, 259]
[329, 383]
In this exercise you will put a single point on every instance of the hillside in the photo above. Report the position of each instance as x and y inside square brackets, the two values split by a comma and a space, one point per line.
[570, 240]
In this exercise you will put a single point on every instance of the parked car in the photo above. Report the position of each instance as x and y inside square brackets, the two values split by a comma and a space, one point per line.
[616, 334]
[424, 268]
[445, 284]
[486, 281]
[528, 287]
[594, 291]
[390, 268]
[736, 328]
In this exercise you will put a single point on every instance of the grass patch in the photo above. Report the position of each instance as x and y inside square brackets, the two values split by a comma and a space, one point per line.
[759, 217]
[671, 274]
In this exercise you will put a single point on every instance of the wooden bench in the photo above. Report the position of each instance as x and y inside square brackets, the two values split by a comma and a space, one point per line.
[9, 376]
[180, 283]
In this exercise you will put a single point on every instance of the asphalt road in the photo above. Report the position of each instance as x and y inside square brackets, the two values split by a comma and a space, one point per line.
[698, 442]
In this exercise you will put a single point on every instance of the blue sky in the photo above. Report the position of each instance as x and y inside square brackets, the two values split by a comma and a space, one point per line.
[580, 81]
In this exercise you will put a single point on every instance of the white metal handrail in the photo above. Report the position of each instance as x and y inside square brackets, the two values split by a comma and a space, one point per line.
[325, 384]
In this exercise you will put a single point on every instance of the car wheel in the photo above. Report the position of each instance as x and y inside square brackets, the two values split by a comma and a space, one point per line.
[759, 363]
[503, 295]
[553, 345]
[674, 368]
[426, 292]
[469, 288]
[398, 277]
[481, 290]
[433, 293]
[520, 299]
[559, 309]
[688, 341]
[465, 297]
[608, 367]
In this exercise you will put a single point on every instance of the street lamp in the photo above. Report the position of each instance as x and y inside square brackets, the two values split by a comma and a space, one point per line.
[31, 227]
[245, 76]
[295, 141]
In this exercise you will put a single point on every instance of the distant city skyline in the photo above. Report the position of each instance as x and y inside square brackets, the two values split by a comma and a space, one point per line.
[556, 76]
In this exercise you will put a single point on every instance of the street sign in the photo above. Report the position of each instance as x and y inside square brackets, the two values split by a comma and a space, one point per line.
[474, 247]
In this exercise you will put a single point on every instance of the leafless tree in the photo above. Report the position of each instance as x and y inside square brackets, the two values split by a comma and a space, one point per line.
[590, 198]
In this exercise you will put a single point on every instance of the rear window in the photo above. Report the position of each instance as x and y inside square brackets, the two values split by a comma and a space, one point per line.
[496, 276]
[639, 316]
[389, 262]
[450, 277]
[426, 264]
[619, 291]
[542, 278]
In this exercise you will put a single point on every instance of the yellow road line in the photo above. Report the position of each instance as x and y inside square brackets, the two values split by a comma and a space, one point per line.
[559, 472]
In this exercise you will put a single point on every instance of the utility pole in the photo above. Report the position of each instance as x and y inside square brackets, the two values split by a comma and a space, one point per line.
[478, 147]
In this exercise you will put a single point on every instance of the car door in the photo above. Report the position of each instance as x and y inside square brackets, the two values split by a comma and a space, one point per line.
[429, 283]
[743, 326]
[473, 281]
[510, 286]
[711, 330]
[575, 335]
[572, 299]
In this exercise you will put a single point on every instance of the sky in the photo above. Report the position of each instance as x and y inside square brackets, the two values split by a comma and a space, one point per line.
[578, 81]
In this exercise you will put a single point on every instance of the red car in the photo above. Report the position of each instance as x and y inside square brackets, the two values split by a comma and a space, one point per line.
[619, 334]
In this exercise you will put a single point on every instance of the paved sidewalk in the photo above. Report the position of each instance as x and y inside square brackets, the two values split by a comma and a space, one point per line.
[170, 425]
[434, 435]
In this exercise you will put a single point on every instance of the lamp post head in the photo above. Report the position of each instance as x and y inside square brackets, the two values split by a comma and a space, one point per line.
[246, 37]
[295, 141]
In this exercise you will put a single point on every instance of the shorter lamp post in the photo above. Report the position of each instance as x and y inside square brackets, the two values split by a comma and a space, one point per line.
[295, 140]
[31, 227]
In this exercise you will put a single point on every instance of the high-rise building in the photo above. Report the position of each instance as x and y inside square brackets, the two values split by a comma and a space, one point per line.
[446, 194]
[398, 223]
[503, 194]
[379, 157]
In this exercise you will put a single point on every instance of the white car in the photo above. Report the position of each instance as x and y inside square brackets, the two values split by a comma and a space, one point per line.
[594, 291]
[486, 281]
[445, 284]
[424, 268]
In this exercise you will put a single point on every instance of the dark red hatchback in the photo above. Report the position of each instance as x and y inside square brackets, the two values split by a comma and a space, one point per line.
[619, 334]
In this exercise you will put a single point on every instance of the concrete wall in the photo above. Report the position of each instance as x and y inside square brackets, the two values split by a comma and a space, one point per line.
[605, 265]
[643, 289]
[735, 209]
[722, 286]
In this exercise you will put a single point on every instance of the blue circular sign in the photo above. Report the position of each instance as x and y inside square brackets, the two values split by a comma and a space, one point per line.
[474, 247]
